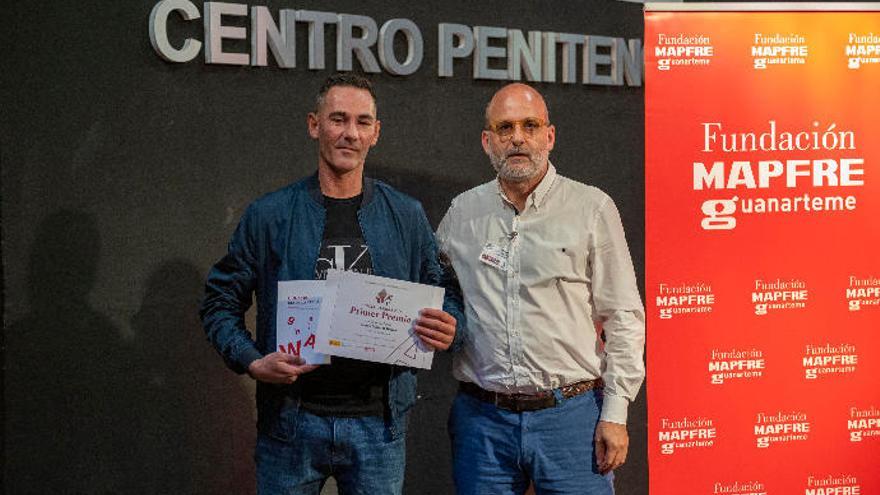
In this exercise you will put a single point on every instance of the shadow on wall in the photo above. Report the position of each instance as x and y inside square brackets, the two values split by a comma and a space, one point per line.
[198, 432]
[87, 412]
[71, 396]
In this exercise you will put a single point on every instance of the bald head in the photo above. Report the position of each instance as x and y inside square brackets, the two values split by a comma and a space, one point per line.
[516, 96]
[518, 136]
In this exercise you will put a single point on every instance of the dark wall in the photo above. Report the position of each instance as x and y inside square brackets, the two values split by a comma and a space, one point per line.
[124, 175]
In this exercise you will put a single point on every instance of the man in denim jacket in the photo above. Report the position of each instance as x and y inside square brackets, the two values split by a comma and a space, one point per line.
[346, 419]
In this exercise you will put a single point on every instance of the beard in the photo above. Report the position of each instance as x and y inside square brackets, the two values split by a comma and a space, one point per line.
[521, 172]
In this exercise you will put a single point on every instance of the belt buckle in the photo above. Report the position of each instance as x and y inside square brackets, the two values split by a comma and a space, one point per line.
[518, 406]
[523, 402]
[505, 401]
[537, 402]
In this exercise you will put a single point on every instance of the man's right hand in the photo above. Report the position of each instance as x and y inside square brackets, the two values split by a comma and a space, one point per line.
[279, 367]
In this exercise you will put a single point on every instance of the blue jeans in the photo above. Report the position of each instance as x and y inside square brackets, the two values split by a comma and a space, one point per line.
[498, 452]
[359, 453]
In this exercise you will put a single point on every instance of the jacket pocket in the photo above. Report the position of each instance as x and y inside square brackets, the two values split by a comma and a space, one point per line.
[403, 391]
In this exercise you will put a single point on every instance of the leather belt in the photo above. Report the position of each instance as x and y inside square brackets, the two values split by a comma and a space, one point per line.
[528, 402]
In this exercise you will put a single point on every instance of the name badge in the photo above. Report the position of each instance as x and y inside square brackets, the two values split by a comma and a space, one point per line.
[494, 256]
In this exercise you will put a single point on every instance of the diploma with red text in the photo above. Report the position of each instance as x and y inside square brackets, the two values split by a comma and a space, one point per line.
[299, 306]
[371, 318]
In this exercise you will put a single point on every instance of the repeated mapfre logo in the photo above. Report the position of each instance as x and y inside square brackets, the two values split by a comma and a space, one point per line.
[683, 50]
[830, 484]
[778, 49]
[738, 488]
[862, 49]
[779, 294]
[684, 299]
[685, 433]
[781, 427]
[714, 172]
[863, 293]
[735, 364]
[863, 423]
[827, 360]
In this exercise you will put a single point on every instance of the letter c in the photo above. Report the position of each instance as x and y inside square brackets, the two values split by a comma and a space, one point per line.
[159, 30]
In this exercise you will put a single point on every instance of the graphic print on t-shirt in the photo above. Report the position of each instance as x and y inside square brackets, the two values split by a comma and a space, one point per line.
[343, 254]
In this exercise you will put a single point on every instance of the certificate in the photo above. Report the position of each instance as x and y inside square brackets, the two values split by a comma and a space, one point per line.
[299, 307]
[371, 318]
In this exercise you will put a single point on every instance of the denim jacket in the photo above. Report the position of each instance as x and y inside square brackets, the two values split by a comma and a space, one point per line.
[279, 238]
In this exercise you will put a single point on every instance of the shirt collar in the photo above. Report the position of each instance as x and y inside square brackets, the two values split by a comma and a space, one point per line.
[540, 193]
[536, 198]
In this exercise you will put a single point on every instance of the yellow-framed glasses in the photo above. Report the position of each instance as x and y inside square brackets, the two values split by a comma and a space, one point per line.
[504, 129]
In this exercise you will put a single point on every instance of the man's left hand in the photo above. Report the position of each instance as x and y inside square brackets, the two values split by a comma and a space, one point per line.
[612, 442]
[436, 328]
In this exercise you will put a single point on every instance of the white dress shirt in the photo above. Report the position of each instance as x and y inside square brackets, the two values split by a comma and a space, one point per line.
[538, 288]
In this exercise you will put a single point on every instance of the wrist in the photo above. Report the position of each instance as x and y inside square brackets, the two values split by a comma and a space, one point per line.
[253, 367]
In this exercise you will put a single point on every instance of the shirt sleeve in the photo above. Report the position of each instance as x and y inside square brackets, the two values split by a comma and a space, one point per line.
[429, 272]
[228, 295]
[453, 301]
[620, 311]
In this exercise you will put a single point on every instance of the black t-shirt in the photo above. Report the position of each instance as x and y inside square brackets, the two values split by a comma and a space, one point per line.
[346, 387]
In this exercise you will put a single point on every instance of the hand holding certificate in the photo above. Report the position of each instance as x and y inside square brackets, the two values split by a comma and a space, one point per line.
[371, 318]
[299, 305]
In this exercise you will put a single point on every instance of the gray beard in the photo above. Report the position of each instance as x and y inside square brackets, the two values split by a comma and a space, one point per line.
[519, 174]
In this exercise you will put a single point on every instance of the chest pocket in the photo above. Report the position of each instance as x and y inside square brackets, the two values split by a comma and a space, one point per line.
[550, 261]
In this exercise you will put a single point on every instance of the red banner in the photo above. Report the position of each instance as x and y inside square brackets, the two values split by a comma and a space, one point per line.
[763, 252]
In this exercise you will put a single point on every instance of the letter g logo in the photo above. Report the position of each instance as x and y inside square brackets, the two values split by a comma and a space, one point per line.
[719, 214]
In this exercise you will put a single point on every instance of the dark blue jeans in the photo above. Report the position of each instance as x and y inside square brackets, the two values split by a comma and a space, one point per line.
[358, 452]
[497, 452]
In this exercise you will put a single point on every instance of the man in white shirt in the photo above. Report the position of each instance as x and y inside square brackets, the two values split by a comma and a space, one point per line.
[551, 326]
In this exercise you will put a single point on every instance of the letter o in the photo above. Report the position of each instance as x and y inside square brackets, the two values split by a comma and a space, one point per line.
[414, 43]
